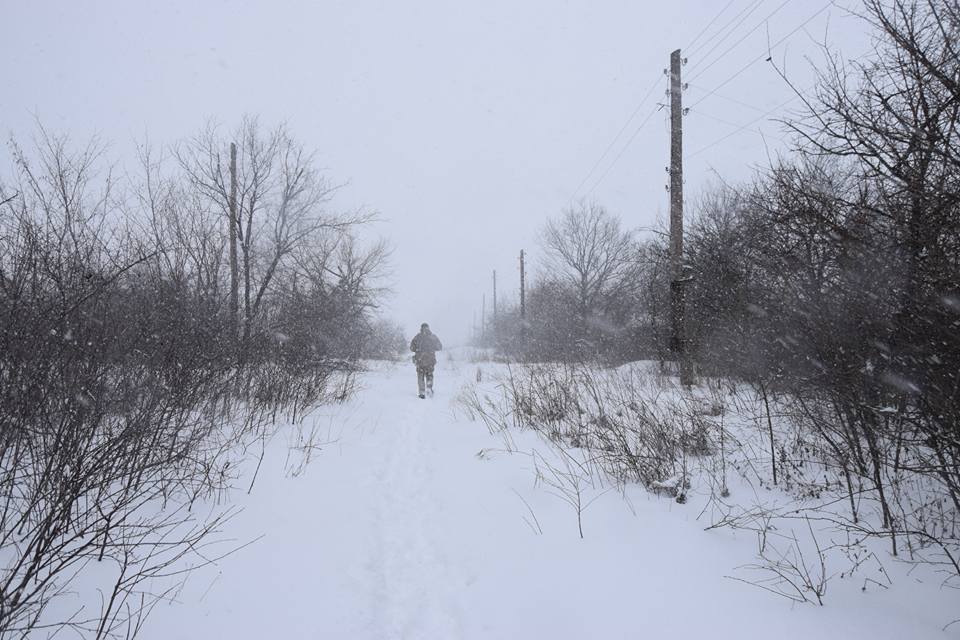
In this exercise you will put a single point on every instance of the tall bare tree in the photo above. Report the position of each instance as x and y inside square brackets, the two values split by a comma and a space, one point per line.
[587, 249]
[276, 203]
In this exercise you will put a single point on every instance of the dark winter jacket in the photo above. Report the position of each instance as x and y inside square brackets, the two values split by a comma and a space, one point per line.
[425, 345]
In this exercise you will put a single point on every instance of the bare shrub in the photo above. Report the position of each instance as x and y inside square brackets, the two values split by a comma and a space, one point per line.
[632, 430]
[122, 408]
[789, 570]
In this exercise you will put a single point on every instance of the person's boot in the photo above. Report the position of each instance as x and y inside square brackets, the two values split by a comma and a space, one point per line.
[422, 396]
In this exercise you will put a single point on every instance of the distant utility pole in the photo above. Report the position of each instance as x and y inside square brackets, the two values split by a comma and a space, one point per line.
[678, 278]
[523, 304]
[483, 317]
[494, 297]
[523, 289]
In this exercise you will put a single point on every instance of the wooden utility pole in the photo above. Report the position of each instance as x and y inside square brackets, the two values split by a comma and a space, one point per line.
[523, 289]
[483, 317]
[494, 299]
[677, 276]
[232, 234]
[494, 325]
[523, 305]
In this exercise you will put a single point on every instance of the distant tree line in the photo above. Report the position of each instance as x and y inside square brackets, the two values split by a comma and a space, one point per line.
[153, 325]
[592, 298]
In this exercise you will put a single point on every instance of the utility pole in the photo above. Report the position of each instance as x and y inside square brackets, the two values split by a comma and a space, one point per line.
[678, 278]
[494, 297]
[483, 318]
[523, 305]
[523, 289]
[494, 326]
[232, 234]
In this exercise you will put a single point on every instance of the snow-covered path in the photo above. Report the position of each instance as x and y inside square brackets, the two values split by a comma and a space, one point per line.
[409, 561]
[399, 529]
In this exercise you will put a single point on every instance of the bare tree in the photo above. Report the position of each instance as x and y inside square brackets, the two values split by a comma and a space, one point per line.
[121, 406]
[278, 200]
[895, 116]
[104, 441]
[183, 227]
[588, 253]
[588, 249]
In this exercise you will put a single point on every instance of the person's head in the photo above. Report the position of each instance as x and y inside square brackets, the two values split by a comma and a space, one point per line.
[424, 328]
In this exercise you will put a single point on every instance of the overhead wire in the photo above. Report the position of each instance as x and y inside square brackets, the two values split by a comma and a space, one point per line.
[643, 100]
[766, 55]
[736, 21]
[796, 96]
[622, 151]
[739, 41]
[716, 119]
[745, 105]
[616, 138]
[639, 106]
[709, 24]
[750, 7]
[727, 35]
[741, 128]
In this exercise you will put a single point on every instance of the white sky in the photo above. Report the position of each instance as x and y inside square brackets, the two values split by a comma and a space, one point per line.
[465, 124]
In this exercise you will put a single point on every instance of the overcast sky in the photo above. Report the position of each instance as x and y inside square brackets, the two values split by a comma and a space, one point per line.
[465, 124]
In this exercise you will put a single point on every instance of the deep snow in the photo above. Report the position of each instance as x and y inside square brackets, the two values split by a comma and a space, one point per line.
[401, 528]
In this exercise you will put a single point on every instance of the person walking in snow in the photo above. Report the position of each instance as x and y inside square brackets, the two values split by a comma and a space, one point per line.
[425, 346]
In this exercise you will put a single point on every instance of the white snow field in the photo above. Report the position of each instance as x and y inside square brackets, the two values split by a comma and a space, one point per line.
[399, 529]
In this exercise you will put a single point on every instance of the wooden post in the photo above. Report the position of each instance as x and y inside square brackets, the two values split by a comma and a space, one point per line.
[483, 318]
[677, 275]
[494, 299]
[523, 289]
[523, 306]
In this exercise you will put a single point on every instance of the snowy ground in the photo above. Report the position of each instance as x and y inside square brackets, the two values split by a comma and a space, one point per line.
[399, 529]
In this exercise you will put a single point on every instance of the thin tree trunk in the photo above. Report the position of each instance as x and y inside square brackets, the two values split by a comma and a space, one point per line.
[232, 231]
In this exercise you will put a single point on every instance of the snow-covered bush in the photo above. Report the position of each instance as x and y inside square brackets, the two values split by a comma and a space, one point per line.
[634, 429]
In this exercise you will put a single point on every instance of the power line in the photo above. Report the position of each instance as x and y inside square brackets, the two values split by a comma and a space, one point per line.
[615, 139]
[709, 24]
[622, 151]
[716, 119]
[740, 40]
[741, 103]
[741, 128]
[765, 114]
[639, 106]
[764, 56]
[750, 7]
[733, 30]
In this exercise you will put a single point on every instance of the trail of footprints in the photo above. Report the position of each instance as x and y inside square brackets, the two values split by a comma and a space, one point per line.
[412, 599]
